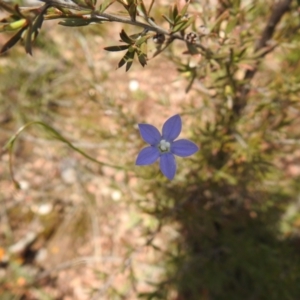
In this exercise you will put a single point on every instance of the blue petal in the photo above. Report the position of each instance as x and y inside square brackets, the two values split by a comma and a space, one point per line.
[172, 128]
[150, 134]
[184, 148]
[147, 156]
[168, 165]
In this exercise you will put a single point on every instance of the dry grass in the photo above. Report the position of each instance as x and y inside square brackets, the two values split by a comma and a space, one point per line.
[79, 232]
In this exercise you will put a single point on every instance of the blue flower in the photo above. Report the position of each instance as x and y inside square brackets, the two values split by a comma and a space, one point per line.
[163, 146]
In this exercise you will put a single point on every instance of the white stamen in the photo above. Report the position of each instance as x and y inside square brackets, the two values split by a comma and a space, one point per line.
[164, 146]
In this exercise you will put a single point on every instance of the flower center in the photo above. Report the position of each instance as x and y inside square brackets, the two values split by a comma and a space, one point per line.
[164, 146]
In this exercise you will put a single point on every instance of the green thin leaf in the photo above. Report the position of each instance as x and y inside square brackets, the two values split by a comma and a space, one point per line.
[231, 25]
[182, 12]
[117, 48]
[74, 22]
[128, 65]
[132, 11]
[171, 14]
[124, 59]
[142, 7]
[12, 41]
[142, 54]
[242, 52]
[125, 38]
[183, 25]
[37, 25]
[216, 26]
[127, 59]
[142, 59]
[122, 62]
[175, 12]
[28, 40]
[184, 9]
[143, 39]
[170, 21]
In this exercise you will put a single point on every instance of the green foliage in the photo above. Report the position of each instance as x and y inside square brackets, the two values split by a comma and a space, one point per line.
[228, 203]
[136, 46]
[230, 200]
[178, 21]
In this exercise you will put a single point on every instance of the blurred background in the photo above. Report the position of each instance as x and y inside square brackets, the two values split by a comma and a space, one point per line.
[227, 227]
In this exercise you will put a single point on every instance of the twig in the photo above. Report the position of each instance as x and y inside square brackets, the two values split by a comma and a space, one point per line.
[278, 11]
[114, 18]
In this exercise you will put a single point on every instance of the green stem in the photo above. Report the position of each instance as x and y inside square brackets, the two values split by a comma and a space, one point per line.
[9, 145]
